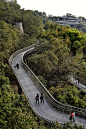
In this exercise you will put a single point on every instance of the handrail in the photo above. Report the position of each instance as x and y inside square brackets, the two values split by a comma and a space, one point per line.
[52, 101]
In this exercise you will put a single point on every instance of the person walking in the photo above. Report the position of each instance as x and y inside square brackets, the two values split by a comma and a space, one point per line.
[41, 98]
[17, 65]
[37, 98]
[78, 81]
[73, 116]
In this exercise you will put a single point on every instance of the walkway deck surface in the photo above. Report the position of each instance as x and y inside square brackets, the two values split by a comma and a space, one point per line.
[30, 91]
[81, 86]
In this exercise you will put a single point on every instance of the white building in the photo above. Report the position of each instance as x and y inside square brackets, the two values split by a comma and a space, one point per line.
[72, 22]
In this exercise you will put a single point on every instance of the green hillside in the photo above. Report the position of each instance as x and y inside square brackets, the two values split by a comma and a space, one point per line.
[15, 111]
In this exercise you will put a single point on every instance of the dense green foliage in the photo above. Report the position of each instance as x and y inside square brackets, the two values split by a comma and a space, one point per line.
[11, 12]
[60, 45]
[10, 40]
[70, 95]
[15, 111]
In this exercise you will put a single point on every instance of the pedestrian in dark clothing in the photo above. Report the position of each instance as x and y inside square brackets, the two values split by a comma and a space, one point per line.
[17, 65]
[71, 116]
[37, 98]
[41, 98]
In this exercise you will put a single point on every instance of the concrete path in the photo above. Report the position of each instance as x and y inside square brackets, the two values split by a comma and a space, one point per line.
[81, 86]
[30, 91]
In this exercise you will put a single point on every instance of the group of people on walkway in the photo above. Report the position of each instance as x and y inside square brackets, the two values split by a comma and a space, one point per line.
[41, 98]
[72, 116]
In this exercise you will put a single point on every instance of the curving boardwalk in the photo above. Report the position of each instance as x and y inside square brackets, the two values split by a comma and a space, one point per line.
[30, 90]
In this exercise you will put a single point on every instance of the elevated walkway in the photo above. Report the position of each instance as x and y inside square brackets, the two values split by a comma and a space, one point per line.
[78, 85]
[43, 111]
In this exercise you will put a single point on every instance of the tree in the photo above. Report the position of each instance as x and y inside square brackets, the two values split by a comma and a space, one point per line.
[10, 38]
